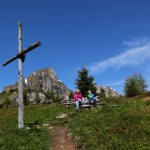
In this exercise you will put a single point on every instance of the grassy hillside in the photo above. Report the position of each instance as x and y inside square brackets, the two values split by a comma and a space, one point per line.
[24, 139]
[126, 126]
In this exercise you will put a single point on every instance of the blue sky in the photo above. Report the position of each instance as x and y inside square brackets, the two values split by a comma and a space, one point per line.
[110, 37]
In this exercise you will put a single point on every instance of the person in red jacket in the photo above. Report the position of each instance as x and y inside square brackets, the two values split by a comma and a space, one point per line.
[77, 98]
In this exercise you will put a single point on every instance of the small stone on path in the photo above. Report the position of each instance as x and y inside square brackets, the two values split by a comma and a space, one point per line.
[61, 116]
[45, 125]
[50, 128]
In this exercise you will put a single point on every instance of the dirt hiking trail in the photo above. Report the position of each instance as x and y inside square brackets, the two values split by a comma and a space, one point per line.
[60, 141]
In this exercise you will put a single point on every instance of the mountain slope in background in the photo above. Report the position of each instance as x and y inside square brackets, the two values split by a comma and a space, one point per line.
[42, 80]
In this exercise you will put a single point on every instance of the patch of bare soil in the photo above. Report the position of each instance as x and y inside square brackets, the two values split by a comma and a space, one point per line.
[60, 141]
[146, 98]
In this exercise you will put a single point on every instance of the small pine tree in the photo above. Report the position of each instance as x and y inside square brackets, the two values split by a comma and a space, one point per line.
[85, 82]
[102, 93]
[57, 98]
[6, 102]
[135, 85]
[71, 95]
[25, 98]
[48, 94]
[37, 98]
[52, 95]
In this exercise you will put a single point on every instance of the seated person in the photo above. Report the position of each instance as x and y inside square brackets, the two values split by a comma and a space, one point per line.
[77, 98]
[91, 97]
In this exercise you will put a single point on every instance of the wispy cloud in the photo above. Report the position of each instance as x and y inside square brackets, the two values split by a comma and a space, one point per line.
[135, 42]
[137, 52]
[116, 83]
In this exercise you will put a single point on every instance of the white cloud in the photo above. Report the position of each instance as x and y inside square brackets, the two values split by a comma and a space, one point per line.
[135, 42]
[136, 54]
[116, 83]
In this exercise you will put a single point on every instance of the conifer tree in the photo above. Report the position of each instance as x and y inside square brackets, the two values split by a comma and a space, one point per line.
[71, 95]
[37, 98]
[57, 98]
[85, 82]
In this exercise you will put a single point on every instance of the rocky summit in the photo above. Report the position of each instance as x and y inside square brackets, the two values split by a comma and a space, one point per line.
[42, 80]
[46, 80]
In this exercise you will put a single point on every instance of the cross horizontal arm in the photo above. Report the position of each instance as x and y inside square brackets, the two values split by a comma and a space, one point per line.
[33, 46]
[20, 55]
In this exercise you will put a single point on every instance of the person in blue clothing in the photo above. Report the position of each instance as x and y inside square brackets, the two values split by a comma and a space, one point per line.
[91, 97]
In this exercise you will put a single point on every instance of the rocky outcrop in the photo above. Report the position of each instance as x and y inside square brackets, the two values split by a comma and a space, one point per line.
[107, 91]
[42, 81]
[46, 80]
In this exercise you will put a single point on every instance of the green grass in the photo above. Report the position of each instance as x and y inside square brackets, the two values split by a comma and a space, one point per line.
[126, 126]
[12, 138]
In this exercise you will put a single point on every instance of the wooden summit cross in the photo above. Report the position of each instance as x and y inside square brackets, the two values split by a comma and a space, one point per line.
[21, 56]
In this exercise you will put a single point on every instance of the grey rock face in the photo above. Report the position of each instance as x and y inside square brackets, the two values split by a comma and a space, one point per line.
[109, 92]
[42, 81]
[31, 97]
[46, 80]
[42, 97]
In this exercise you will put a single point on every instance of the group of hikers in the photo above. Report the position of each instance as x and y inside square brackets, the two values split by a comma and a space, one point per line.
[78, 98]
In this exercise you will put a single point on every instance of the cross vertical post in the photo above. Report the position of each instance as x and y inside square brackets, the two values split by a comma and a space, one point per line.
[21, 57]
[20, 80]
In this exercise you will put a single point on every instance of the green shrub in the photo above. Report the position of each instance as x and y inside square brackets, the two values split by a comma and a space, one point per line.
[102, 93]
[4, 92]
[57, 98]
[37, 98]
[6, 102]
[135, 85]
[71, 95]
[25, 98]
